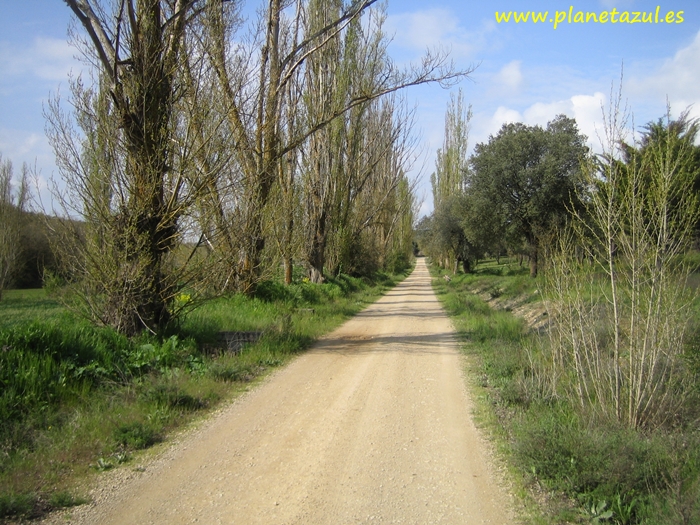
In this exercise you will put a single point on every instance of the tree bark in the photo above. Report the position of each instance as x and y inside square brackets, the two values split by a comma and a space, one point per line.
[533, 261]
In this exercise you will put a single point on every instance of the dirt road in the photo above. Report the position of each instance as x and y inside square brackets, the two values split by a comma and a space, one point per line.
[370, 426]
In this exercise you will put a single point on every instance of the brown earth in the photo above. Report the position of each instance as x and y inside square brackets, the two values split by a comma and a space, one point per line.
[372, 425]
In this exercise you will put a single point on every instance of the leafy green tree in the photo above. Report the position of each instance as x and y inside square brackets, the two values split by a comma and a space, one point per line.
[447, 233]
[528, 177]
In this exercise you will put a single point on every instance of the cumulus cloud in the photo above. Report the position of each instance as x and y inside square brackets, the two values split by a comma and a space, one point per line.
[502, 116]
[645, 91]
[586, 109]
[677, 79]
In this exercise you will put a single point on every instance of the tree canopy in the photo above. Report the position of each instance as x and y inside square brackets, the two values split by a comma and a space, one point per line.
[194, 144]
[526, 179]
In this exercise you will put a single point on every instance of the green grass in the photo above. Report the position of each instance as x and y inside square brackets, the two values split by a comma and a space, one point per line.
[20, 306]
[504, 280]
[585, 468]
[76, 399]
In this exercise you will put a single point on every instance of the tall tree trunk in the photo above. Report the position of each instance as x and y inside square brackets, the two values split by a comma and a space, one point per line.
[533, 261]
[317, 253]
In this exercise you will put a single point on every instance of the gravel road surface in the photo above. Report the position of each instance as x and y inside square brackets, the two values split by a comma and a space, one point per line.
[372, 425]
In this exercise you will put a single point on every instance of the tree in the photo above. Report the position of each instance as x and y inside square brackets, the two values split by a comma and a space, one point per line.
[256, 108]
[13, 202]
[451, 165]
[674, 138]
[530, 175]
[377, 193]
[448, 229]
[451, 175]
[622, 322]
[183, 138]
[125, 170]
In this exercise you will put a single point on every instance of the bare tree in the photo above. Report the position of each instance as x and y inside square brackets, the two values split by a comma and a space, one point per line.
[622, 321]
[380, 153]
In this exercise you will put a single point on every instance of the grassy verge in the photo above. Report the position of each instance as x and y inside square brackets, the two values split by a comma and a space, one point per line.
[571, 468]
[76, 399]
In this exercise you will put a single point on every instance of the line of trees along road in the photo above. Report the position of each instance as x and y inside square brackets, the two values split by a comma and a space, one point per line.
[203, 152]
[508, 196]
[521, 187]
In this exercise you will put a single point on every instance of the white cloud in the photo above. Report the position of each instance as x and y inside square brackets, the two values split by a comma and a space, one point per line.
[586, 109]
[34, 149]
[435, 28]
[16, 144]
[502, 116]
[510, 77]
[47, 59]
[588, 112]
[677, 79]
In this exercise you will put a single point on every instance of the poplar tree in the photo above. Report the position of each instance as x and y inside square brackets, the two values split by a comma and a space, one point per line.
[452, 163]
[449, 181]
[253, 83]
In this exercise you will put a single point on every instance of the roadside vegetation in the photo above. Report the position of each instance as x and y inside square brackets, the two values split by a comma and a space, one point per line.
[196, 177]
[597, 407]
[79, 399]
[229, 188]
[571, 467]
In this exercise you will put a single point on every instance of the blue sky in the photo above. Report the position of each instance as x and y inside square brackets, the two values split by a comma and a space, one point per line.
[527, 72]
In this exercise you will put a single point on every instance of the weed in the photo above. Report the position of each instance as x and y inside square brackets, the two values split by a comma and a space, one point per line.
[172, 396]
[64, 499]
[103, 464]
[598, 512]
[624, 508]
[61, 376]
[15, 505]
[616, 474]
[135, 435]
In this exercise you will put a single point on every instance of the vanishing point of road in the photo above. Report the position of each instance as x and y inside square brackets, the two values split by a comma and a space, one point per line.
[371, 425]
